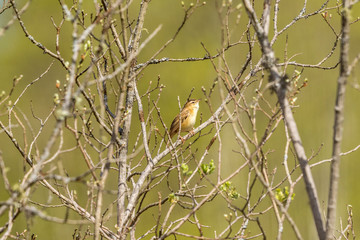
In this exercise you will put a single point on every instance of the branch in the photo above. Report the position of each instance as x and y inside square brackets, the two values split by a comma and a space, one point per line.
[151, 164]
[280, 87]
[339, 120]
[130, 78]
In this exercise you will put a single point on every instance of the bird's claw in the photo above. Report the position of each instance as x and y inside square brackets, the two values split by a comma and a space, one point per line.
[182, 139]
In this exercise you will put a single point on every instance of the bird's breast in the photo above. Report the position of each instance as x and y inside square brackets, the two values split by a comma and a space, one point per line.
[189, 123]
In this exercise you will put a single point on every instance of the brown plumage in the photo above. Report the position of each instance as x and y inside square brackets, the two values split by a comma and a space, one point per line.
[187, 117]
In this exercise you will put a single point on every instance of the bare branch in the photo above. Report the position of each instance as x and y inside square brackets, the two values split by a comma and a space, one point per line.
[339, 119]
[280, 86]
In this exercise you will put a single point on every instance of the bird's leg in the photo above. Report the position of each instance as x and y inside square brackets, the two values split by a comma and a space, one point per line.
[192, 132]
[182, 139]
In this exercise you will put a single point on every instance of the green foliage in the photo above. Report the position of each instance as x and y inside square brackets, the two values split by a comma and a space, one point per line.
[230, 190]
[185, 169]
[283, 195]
[207, 169]
[172, 198]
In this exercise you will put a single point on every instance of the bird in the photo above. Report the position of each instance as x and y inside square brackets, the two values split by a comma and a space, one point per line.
[187, 117]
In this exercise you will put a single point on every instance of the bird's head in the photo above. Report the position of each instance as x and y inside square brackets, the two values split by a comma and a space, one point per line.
[192, 103]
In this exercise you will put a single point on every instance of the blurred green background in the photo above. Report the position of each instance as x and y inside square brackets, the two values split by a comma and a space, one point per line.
[310, 38]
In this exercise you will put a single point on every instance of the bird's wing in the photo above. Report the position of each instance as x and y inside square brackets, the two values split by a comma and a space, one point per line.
[175, 124]
[184, 115]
